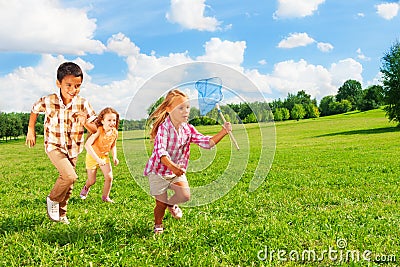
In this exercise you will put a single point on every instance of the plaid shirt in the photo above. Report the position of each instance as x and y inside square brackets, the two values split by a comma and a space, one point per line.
[175, 145]
[62, 129]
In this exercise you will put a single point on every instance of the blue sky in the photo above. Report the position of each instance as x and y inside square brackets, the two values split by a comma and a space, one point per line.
[282, 46]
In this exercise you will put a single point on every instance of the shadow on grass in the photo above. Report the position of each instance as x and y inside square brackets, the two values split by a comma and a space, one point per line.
[61, 234]
[364, 131]
[85, 235]
[12, 224]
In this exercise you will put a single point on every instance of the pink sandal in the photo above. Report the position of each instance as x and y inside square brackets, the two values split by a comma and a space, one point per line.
[158, 228]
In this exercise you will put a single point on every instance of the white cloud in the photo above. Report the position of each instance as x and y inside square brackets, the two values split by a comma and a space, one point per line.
[262, 62]
[344, 70]
[44, 26]
[296, 8]
[296, 40]
[190, 15]
[122, 45]
[260, 80]
[377, 80]
[387, 10]
[30, 83]
[325, 47]
[360, 55]
[224, 52]
[291, 77]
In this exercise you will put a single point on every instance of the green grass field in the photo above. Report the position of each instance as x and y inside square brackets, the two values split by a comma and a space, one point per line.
[331, 197]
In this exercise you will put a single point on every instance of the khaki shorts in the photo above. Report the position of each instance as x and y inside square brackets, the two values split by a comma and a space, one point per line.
[160, 184]
[91, 163]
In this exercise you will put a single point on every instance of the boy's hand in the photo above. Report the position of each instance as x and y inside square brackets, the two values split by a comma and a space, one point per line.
[30, 138]
[80, 116]
[116, 161]
[227, 126]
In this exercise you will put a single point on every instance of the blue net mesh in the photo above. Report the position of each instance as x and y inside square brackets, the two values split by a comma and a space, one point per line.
[209, 93]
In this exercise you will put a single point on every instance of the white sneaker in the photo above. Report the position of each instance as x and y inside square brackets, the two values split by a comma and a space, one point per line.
[53, 209]
[64, 220]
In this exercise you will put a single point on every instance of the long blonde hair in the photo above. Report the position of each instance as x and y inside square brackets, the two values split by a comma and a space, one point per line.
[160, 113]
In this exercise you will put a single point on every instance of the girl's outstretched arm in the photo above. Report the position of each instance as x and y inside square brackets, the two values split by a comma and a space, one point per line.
[114, 154]
[224, 131]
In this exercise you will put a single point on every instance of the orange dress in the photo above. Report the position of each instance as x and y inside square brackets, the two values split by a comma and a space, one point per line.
[103, 144]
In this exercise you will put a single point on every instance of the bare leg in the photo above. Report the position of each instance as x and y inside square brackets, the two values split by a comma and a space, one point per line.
[159, 209]
[182, 193]
[91, 180]
[108, 178]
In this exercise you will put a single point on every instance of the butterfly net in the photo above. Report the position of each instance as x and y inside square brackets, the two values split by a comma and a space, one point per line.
[209, 93]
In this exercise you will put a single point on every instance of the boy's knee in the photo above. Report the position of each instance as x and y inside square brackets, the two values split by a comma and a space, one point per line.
[71, 177]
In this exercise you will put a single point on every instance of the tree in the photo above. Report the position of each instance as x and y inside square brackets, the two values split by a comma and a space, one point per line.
[372, 98]
[2, 125]
[391, 82]
[324, 105]
[285, 114]
[297, 112]
[340, 107]
[251, 118]
[281, 114]
[311, 111]
[351, 90]
[301, 98]
[245, 110]
[278, 115]
[155, 105]
[276, 104]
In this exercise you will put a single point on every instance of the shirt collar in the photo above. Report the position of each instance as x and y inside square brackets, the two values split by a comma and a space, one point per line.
[169, 124]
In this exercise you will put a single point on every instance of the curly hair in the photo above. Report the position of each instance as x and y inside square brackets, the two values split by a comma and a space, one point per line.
[105, 111]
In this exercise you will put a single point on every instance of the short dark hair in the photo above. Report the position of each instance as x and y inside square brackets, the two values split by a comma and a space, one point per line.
[69, 68]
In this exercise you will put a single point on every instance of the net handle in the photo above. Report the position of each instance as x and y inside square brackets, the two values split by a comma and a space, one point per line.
[229, 132]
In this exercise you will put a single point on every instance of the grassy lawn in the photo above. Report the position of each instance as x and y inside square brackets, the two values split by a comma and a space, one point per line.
[332, 194]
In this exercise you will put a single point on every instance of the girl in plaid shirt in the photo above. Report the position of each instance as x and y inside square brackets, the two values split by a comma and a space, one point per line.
[166, 168]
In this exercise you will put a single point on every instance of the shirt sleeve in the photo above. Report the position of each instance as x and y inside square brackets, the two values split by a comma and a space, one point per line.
[39, 106]
[199, 139]
[161, 142]
[91, 114]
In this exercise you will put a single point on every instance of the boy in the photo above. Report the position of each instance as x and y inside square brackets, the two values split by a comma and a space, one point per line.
[66, 116]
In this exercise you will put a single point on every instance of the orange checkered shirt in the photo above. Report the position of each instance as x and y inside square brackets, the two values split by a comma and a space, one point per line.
[62, 130]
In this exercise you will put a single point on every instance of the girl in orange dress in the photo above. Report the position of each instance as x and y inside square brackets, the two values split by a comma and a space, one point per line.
[98, 147]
